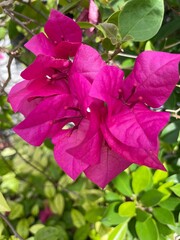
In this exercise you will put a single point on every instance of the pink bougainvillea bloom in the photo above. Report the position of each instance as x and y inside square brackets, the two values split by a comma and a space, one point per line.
[45, 214]
[46, 76]
[49, 72]
[130, 127]
[93, 13]
[56, 101]
[98, 122]
[62, 39]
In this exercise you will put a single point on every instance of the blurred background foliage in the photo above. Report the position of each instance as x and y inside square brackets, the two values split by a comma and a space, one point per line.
[37, 200]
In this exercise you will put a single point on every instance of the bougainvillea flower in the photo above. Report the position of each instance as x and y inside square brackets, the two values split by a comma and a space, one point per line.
[48, 77]
[61, 31]
[99, 122]
[83, 149]
[87, 62]
[153, 79]
[133, 126]
[56, 105]
[49, 115]
[45, 214]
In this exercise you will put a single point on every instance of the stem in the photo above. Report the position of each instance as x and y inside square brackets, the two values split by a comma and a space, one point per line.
[32, 165]
[126, 55]
[114, 54]
[12, 54]
[25, 17]
[11, 15]
[174, 113]
[172, 45]
[10, 226]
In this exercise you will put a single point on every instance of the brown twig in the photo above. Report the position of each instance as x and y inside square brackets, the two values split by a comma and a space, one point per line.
[12, 54]
[11, 15]
[9, 73]
[10, 226]
[29, 20]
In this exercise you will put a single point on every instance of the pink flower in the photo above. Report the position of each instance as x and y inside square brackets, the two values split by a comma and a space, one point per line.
[45, 214]
[130, 126]
[45, 77]
[55, 101]
[99, 122]
[62, 39]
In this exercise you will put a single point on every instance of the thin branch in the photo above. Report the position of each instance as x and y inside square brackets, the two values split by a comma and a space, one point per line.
[113, 54]
[127, 55]
[172, 45]
[10, 226]
[174, 113]
[12, 54]
[9, 73]
[25, 17]
[11, 15]
[6, 3]
[118, 52]
[32, 165]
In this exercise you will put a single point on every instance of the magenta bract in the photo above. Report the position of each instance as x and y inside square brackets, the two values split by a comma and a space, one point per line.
[99, 122]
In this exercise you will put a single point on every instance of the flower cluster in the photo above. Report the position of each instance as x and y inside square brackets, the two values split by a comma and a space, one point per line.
[99, 122]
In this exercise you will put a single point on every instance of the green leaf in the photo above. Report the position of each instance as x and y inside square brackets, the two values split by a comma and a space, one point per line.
[164, 188]
[77, 218]
[4, 169]
[149, 46]
[171, 203]
[122, 184]
[114, 18]
[111, 217]
[85, 25]
[110, 31]
[17, 211]
[112, 196]
[151, 197]
[170, 132]
[35, 210]
[35, 228]
[141, 20]
[3, 204]
[174, 178]
[119, 232]
[147, 230]
[59, 203]
[176, 189]
[142, 215]
[49, 189]
[2, 32]
[51, 233]
[82, 233]
[159, 176]
[163, 229]
[94, 215]
[141, 179]
[70, 6]
[9, 181]
[23, 228]
[164, 216]
[127, 209]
